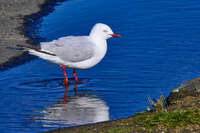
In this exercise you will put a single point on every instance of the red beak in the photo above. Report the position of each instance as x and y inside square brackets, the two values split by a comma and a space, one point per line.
[116, 35]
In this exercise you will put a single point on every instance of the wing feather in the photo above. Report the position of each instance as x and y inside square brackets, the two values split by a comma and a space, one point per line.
[71, 48]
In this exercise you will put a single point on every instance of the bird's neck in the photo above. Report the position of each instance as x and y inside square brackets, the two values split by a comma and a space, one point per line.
[95, 36]
[99, 41]
[101, 45]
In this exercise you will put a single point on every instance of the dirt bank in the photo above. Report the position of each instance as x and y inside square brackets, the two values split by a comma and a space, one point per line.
[13, 18]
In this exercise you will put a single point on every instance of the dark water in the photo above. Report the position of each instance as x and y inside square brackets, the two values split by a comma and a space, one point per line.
[159, 50]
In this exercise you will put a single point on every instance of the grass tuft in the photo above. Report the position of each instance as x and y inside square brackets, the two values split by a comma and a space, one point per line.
[157, 104]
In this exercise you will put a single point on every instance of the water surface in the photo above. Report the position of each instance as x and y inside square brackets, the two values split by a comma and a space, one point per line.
[159, 50]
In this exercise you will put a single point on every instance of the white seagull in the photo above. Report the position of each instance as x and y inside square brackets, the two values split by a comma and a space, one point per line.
[77, 52]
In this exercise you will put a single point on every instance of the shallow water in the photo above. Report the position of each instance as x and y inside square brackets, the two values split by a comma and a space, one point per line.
[159, 50]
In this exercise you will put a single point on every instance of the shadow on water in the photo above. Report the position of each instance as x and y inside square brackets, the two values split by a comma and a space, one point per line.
[76, 109]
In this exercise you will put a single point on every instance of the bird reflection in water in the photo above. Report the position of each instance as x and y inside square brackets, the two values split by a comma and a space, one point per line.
[75, 110]
[66, 86]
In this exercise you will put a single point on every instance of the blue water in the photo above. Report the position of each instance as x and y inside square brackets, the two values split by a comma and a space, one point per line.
[158, 51]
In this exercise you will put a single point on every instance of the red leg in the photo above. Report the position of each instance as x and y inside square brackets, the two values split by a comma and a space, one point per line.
[75, 89]
[66, 79]
[74, 74]
[65, 94]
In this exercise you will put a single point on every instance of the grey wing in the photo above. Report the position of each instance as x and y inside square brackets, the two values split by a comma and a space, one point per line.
[70, 49]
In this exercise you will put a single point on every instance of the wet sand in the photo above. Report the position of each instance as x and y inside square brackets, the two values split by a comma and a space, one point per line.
[15, 15]
[12, 14]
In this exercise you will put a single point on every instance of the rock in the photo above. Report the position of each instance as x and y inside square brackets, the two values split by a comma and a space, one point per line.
[186, 96]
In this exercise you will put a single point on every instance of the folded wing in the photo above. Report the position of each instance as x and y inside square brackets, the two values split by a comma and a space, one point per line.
[71, 48]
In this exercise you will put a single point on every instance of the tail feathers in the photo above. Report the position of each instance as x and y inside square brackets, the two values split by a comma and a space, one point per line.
[35, 48]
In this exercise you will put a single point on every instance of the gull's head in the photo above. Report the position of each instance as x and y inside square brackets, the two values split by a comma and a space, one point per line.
[102, 31]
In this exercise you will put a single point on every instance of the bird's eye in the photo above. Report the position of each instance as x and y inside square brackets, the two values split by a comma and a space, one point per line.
[105, 31]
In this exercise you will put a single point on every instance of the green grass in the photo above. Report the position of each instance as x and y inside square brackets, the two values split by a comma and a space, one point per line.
[144, 122]
[164, 119]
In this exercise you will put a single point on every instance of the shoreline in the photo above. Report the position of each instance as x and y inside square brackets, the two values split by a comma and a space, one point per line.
[176, 116]
[17, 27]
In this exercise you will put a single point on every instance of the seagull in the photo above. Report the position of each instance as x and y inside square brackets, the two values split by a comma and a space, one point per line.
[76, 52]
